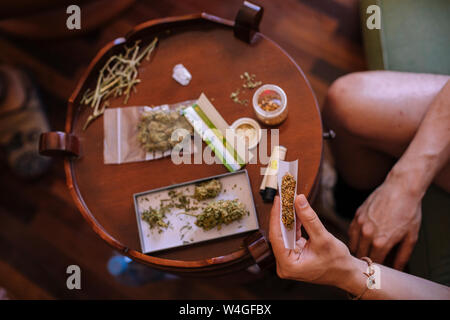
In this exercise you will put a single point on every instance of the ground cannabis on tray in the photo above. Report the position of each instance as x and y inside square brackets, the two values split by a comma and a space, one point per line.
[155, 218]
[117, 77]
[208, 189]
[157, 127]
[178, 200]
[287, 200]
[213, 214]
[220, 212]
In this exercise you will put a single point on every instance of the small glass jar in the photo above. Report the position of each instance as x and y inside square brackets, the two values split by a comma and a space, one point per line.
[270, 104]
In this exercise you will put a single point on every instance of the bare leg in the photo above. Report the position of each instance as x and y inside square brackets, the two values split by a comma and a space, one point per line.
[375, 115]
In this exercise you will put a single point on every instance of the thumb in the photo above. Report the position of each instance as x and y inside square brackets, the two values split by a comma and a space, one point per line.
[308, 218]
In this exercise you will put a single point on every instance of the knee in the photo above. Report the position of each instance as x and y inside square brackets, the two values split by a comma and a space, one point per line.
[343, 102]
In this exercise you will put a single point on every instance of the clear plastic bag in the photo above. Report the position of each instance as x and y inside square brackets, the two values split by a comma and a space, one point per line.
[122, 134]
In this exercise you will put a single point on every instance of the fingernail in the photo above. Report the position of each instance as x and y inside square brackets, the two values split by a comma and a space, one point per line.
[302, 201]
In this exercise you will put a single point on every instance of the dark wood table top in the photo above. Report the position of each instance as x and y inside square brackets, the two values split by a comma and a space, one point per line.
[216, 59]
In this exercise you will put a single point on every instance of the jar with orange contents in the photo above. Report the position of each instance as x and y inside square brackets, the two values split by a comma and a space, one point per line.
[270, 104]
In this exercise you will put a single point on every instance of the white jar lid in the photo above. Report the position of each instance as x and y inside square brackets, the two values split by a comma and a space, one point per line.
[252, 123]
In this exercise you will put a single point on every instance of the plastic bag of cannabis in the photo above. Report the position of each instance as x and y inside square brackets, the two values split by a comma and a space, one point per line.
[144, 133]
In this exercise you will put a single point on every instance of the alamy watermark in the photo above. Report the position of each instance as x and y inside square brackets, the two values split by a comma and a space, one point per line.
[190, 151]
[74, 19]
[374, 20]
[74, 279]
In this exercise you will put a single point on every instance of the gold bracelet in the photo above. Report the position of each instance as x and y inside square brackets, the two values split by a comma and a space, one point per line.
[369, 275]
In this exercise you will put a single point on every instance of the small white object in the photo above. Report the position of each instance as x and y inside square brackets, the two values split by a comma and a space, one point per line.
[181, 75]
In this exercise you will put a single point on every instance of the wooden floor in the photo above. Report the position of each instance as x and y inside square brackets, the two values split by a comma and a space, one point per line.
[41, 231]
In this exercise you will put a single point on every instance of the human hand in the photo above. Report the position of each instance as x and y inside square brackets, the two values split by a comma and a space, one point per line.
[389, 216]
[321, 259]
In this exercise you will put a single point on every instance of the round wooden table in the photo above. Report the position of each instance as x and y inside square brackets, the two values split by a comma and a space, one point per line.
[216, 58]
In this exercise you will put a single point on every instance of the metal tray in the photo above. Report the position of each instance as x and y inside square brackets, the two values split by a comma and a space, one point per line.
[235, 185]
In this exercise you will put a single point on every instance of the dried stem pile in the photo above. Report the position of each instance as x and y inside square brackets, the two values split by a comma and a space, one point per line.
[117, 77]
